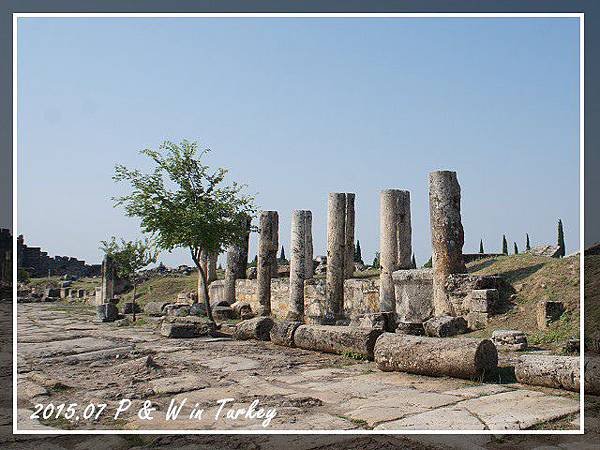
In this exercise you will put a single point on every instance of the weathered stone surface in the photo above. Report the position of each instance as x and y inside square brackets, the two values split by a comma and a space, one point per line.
[477, 320]
[336, 254]
[176, 309]
[509, 340]
[257, 328]
[197, 309]
[178, 384]
[395, 242]
[447, 235]
[236, 264]
[65, 292]
[186, 327]
[268, 244]
[413, 328]
[483, 300]
[301, 261]
[156, 308]
[560, 372]
[108, 279]
[384, 321]
[460, 287]
[592, 375]
[547, 312]
[107, 312]
[459, 357]
[550, 251]
[283, 331]
[337, 339]
[223, 313]
[243, 310]
[349, 236]
[445, 326]
[414, 294]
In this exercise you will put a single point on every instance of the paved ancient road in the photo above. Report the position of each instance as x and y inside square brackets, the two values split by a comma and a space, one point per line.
[64, 356]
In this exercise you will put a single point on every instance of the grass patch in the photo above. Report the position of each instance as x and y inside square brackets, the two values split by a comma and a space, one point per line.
[358, 422]
[356, 356]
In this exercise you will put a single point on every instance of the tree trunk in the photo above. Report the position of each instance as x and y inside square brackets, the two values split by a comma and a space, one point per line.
[457, 357]
[203, 291]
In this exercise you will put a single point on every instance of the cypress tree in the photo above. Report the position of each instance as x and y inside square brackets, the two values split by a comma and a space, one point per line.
[376, 261]
[527, 246]
[282, 255]
[358, 253]
[504, 245]
[429, 263]
[481, 247]
[516, 249]
[413, 262]
[561, 239]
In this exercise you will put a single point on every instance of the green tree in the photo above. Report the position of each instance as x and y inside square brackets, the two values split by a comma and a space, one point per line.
[358, 253]
[516, 249]
[376, 263]
[561, 239]
[130, 257]
[282, 254]
[182, 204]
[504, 245]
[481, 246]
[527, 246]
[428, 264]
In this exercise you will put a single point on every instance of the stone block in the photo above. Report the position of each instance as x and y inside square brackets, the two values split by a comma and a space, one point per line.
[186, 327]
[242, 310]
[258, 328]
[412, 328]
[283, 331]
[197, 309]
[65, 292]
[414, 294]
[483, 300]
[384, 321]
[509, 340]
[477, 320]
[156, 308]
[548, 312]
[445, 326]
[222, 313]
[107, 312]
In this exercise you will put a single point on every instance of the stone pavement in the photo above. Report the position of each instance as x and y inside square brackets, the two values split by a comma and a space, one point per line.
[64, 356]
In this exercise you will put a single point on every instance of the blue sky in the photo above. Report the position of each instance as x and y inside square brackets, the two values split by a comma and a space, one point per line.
[297, 108]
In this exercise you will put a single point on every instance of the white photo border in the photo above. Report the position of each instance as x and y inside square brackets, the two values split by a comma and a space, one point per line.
[580, 16]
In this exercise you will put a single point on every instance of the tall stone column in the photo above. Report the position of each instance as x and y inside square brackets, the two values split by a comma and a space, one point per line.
[395, 236]
[268, 243]
[108, 280]
[236, 265]
[349, 238]
[447, 235]
[336, 254]
[300, 261]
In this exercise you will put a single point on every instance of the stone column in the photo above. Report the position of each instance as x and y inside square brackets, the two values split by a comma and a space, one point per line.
[236, 265]
[300, 261]
[336, 255]
[268, 243]
[395, 242]
[447, 235]
[108, 279]
[349, 239]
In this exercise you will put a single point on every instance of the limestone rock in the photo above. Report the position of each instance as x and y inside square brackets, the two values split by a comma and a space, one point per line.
[186, 327]
[156, 308]
[413, 328]
[548, 311]
[107, 312]
[242, 310]
[384, 321]
[414, 293]
[198, 309]
[459, 357]
[509, 340]
[445, 326]
[223, 313]
[483, 300]
[283, 331]
[549, 251]
[257, 328]
[337, 339]
[561, 372]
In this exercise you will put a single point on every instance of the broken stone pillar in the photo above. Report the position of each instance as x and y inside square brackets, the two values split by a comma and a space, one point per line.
[336, 255]
[300, 261]
[395, 243]
[236, 265]
[108, 280]
[268, 243]
[349, 236]
[447, 235]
